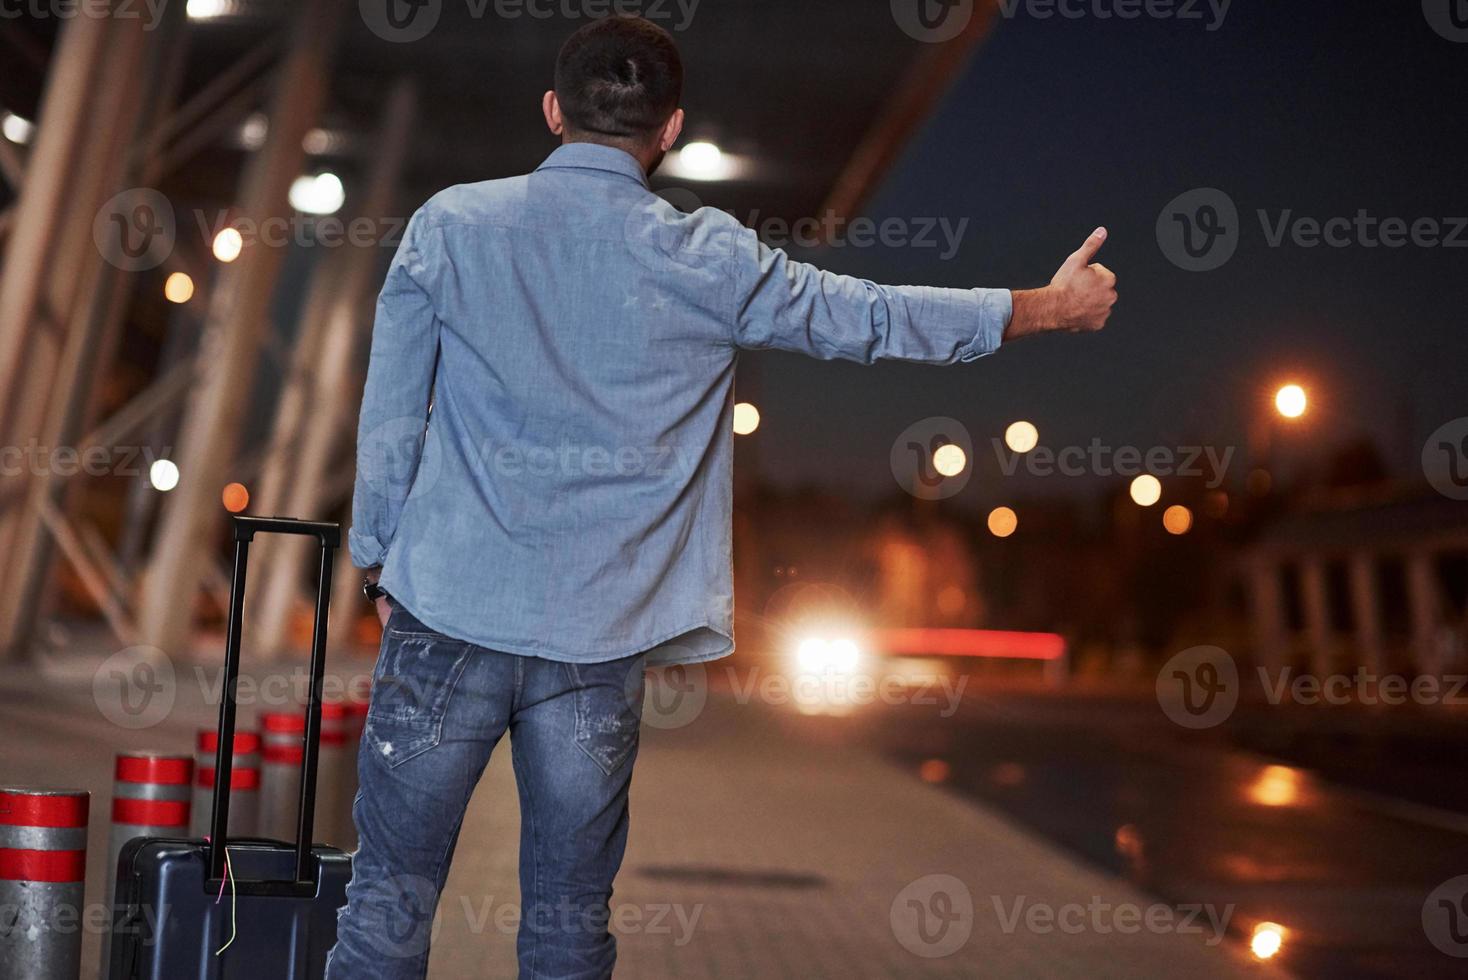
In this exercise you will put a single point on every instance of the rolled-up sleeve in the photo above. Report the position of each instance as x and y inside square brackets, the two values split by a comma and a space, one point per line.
[782, 304]
[396, 400]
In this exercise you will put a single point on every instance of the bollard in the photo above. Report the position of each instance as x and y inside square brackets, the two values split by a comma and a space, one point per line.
[347, 789]
[244, 784]
[283, 745]
[43, 869]
[150, 798]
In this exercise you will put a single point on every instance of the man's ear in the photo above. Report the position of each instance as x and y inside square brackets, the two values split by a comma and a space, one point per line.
[672, 129]
[551, 106]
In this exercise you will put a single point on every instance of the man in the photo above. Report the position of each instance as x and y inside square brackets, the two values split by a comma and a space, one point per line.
[544, 483]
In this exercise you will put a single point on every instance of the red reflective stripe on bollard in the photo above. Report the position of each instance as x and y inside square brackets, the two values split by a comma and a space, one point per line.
[21, 809]
[48, 866]
[279, 721]
[333, 738]
[151, 813]
[292, 754]
[238, 778]
[244, 742]
[167, 770]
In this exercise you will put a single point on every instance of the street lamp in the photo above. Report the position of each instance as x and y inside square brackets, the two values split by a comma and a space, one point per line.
[1291, 401]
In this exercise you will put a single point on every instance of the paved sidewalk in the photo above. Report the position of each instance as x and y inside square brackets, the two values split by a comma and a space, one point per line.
[758, 849]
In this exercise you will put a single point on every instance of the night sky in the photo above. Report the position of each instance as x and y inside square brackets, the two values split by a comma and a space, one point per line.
[1325, 108]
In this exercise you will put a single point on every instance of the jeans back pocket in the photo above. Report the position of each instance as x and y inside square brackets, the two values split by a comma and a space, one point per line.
[411, 686]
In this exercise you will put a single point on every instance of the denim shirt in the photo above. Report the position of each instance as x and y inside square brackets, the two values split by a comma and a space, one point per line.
[544, 453]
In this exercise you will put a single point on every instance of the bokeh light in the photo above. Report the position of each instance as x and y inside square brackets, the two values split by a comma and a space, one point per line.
[163, 475]
[235, 497]
[228, 245]
[1146, 490]
[746, 419]
[950, 460]
[1177, 519]
[179, 288]
[1267, 940]
[1291, 401]
[1003, 522]
[1022, 437]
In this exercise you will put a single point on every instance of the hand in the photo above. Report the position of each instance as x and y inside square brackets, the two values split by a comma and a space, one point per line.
[383, 610]
[1079, 298]
[1085, 292]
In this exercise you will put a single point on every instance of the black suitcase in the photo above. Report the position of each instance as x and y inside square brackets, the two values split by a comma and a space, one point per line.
[175, 904]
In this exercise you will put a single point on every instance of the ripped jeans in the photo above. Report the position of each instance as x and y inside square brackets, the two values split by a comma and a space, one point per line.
[439, 706]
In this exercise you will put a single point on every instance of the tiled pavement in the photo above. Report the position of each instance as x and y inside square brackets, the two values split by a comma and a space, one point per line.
[759, 848]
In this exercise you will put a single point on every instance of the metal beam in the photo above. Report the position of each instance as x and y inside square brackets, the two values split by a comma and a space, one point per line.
[316, 411]
[926, 82]
[232, 336]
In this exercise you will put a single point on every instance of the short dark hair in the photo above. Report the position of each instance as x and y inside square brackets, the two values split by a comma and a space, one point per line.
[619, 76]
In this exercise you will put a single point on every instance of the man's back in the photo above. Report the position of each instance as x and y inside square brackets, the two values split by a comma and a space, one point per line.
[573, 496]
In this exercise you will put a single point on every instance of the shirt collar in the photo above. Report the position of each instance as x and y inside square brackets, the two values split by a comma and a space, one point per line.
[594, 156]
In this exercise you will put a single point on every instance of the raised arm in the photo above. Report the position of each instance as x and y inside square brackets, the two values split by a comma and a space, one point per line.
[783, 304]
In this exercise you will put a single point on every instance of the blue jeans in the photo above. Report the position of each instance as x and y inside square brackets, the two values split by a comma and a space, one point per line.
[439, 706]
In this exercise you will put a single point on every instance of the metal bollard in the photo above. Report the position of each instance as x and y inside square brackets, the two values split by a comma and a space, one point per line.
[150, 798]
[244, 784]
[283, 738]
[43, 869]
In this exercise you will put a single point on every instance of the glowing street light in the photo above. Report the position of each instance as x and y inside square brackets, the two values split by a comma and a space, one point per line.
[1267, 940]
[1022, 437]
[1146, 490]
[1291, 401]
[703, 160]
[746, 419]
[949, 460]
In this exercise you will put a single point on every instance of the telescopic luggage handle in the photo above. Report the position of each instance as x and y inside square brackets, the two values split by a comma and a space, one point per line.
[329, 537]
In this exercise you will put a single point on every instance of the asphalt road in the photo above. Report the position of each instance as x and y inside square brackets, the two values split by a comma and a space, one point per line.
[1205, 817]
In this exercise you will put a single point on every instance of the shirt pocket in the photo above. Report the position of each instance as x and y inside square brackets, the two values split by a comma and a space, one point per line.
[412, 683]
